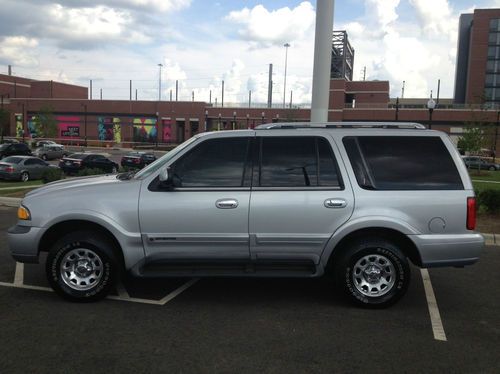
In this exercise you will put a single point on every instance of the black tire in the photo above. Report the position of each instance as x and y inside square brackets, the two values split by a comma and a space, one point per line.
[88, 242]
[492, 168]
[353, 282]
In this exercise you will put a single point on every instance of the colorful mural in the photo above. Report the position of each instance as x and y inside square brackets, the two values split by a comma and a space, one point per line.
[145, 130]
[109, 128]
[167, 130]
[69, 126]
[32, 127]
[19, 125]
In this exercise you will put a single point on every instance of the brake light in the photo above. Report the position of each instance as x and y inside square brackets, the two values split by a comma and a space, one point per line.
[9, 169]
[471, 213]
[137, 160]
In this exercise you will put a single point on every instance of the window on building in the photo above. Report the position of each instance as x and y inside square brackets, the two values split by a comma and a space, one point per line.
[495, 24]
[493, 53]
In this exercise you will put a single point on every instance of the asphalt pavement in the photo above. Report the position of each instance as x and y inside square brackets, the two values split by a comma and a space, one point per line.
[226, 325]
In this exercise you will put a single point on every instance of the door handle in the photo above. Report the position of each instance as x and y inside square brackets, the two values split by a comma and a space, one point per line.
[226, 203]
[335, 203]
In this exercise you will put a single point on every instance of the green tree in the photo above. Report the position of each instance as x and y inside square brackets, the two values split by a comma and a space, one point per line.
[45, 123]
[472, 140]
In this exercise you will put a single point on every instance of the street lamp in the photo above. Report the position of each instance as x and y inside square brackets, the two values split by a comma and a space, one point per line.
[286, 45]
[234, 120]
[431, 104]
[159, 82]
[397, 109]
[218, 125]
[263, 114]
[248, 121]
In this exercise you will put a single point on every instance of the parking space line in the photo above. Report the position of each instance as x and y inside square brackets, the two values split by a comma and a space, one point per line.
[178, 291]
[437, 325]
[122, 292]
[26, 286]
[19, 275]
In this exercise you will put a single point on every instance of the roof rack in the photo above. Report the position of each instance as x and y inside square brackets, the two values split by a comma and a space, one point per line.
[342, 125]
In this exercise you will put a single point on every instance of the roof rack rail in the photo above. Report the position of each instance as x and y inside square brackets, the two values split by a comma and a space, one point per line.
[342, 125]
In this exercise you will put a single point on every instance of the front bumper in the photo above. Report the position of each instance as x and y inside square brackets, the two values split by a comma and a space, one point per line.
[448, 250]
[23, 242]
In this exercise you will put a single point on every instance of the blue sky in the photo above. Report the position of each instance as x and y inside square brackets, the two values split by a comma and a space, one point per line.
[202, 42]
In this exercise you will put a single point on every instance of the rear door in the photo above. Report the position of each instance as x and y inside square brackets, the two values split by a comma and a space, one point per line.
[299, 197]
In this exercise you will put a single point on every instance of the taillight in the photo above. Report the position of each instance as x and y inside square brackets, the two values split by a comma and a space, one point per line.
[471, 213]
[9, 169]
[137, 160]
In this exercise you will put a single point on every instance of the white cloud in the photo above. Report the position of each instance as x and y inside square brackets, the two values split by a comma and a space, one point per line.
[436, 17]
[265, 28]
[160, 5]
[19, 50]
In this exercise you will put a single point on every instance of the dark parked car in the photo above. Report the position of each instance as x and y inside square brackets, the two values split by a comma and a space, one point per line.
[9, 141]
[137, 159]
[23, 168]
[474, 162]
[79, 161]
[14, 149]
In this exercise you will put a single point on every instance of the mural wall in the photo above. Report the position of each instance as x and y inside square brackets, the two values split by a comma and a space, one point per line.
[19, 125]
[69, 127]
[145, 130]
[109, 128]
[167, 130]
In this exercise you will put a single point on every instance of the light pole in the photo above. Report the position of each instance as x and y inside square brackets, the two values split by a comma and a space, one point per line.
[218, 125]
[397, 109]
[234, 120]
[206, 120]
[85, 124]
[248, 120]
[286, 45]
[263, 114]
[431, 104]
[159, 82]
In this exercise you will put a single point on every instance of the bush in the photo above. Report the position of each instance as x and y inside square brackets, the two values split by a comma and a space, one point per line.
[52, 175]
[489, 200]
[88, 171]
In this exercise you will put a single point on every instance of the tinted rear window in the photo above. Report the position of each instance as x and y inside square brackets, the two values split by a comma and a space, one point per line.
[12, 160]
[402, 163]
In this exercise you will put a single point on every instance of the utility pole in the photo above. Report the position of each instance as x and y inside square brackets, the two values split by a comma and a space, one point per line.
[170, 95]
[270, 87]
[210, 97]
[136, 94]
[91, 89]
[322, 61]
[131, 90]
[286, 45]
[192, 96]
[291, 98]
[439, 88]
[250, 98]
[403, 90]
[222, 101]
[101, 93]
[176, 90]
[159, 82]
[364, 73]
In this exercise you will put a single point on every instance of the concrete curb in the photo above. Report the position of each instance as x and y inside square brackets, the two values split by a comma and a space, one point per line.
[10, 201]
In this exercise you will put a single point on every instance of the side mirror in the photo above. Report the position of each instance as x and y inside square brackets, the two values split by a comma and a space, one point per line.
[165, 176]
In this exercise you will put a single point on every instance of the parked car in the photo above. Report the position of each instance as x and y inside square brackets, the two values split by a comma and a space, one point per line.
[79, 161]
[43, 143]
[14, 149]
[23, 168]
[51, 152]
[474, 162]
[137, 159]
[359, 201]
[9, 141]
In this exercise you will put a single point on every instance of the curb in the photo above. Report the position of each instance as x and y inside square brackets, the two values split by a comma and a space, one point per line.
[10, 201]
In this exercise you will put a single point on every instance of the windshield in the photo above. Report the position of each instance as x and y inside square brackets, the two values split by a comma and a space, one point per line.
[154, 166]
[12, 160]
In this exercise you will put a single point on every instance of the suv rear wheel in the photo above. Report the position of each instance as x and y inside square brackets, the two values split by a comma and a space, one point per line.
[81, 266]
[373, 273]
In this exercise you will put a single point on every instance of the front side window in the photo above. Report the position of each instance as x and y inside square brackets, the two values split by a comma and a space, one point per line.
[214, 163]
[297, 162]
[402, 163]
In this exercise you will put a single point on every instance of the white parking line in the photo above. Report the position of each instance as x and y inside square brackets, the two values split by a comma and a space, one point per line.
[437, 325]
[19, 276]
[122, 292]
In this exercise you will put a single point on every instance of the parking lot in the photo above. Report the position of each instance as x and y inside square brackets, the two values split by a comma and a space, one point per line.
[249, 325]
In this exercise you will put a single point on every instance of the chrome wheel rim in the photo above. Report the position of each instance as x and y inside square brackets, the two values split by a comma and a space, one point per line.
[81, 269]
[25, 177]
[374, 275]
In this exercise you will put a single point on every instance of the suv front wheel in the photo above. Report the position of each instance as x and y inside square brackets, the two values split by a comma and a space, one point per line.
[373, 272]
[81, 266]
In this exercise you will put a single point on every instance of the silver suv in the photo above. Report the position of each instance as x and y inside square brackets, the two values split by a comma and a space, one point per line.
[359, 201]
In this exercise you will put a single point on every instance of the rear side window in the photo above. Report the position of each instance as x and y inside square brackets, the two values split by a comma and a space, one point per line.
[297, 162]
[402, 163]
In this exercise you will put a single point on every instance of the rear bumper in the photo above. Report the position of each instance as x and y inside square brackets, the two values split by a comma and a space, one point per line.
[448, 250]
[10, 176]
[23, 242]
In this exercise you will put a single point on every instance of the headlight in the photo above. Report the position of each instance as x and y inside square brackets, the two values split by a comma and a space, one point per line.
[23, 213]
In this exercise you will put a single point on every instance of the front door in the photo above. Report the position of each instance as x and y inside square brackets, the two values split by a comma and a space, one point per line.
[299, 198]
[204, 215]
